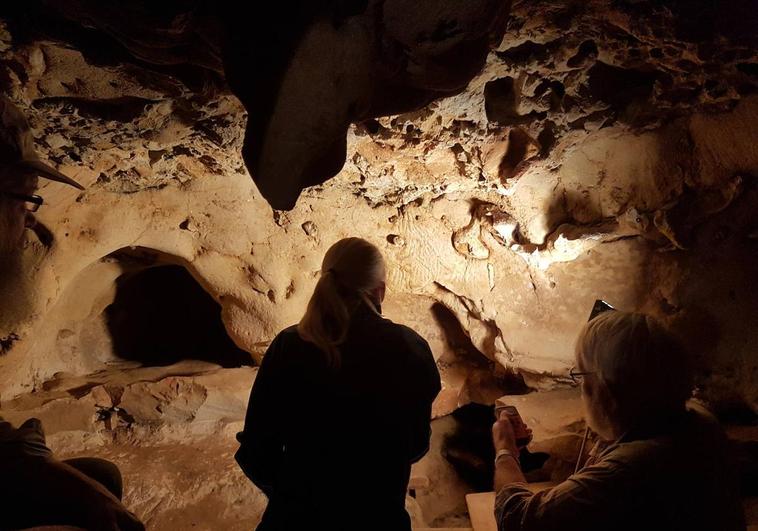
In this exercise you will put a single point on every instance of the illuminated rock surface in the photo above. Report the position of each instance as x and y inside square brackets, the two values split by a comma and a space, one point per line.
[600, 153]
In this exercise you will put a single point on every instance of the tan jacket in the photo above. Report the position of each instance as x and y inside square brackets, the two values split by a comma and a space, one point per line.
[680, 481]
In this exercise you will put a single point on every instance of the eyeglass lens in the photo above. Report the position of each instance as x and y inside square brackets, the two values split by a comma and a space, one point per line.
[31, 202]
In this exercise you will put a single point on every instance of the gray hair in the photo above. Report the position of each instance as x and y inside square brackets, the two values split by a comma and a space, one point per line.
[642, 365]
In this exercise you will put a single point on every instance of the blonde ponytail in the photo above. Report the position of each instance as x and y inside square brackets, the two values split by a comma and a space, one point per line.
[351, 268]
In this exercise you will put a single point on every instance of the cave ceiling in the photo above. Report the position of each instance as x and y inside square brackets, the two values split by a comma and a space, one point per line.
[305, 71]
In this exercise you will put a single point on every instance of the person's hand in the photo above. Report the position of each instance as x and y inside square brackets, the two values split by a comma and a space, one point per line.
[504, 434]
[508, 431]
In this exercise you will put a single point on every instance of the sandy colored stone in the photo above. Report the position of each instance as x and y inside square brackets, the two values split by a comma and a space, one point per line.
[610, 212]
[601, 152]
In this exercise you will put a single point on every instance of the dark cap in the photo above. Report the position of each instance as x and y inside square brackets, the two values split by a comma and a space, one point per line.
[17, 146]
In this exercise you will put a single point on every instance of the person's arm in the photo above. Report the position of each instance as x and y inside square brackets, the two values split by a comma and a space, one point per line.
[591, 500]
[421, 433]
[46, 491]
[261, 441]
[429, 386]
[587, 501]
[507, 467]
[507, 472]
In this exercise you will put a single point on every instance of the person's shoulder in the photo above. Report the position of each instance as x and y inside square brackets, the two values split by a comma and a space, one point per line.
[640, 451]
[285, 341]
[418, 353]
[406, 334]
[411, 335]
[289, 333]
[628, 464]
[696, 429]
[702, 430]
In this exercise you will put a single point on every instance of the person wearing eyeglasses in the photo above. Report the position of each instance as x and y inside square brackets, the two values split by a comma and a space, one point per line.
[661, 464]
[20, 168]
[36, 489]
[17, 203]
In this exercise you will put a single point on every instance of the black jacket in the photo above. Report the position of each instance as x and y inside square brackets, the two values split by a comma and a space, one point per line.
[332, 448]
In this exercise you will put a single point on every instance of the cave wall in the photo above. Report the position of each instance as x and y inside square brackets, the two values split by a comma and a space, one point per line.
[598, 154]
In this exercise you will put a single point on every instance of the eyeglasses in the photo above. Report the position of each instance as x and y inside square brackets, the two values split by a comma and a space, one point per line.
[578, 376]
[31, 202]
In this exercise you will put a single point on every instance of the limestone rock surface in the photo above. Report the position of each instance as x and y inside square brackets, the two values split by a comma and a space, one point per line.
[574, 166]
[599, 150]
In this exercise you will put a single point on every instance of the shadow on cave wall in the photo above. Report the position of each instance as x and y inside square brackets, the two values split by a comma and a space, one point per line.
[463, 352]
[469, 448]
[161, 315]
[470, 452]
[456, 337]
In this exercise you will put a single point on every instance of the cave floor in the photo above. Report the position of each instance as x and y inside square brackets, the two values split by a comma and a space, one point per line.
[171, 430]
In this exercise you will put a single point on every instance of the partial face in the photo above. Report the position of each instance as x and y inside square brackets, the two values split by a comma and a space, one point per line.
[598, 404]
[14, 293]
[14, 217]
[379, 292]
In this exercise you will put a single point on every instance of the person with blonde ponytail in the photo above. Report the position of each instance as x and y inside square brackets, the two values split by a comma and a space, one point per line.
[341, 405]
